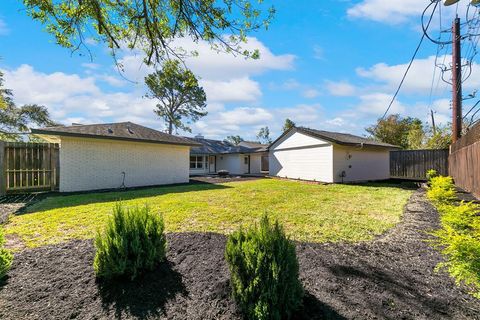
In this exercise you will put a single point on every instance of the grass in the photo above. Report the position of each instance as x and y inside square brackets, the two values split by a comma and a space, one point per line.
[316, 213]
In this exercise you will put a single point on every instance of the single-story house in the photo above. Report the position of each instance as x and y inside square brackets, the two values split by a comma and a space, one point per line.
[332, 157]
[115, 155]
[215, 155]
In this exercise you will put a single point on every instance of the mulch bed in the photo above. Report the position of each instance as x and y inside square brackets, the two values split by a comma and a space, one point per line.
[217, 179]
[392, 277]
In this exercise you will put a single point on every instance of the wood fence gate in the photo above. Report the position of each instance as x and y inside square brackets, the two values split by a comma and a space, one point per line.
[29, 167]
[414, 164]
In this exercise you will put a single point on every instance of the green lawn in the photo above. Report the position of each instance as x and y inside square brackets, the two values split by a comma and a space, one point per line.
[318, 213]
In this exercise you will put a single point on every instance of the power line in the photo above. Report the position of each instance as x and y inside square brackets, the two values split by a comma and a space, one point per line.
[413, 57]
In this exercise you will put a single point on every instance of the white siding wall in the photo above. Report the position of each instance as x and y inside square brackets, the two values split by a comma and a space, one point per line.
[299, 156]
[90, 164]
[256, 163]
[233, 163]
[360, 164]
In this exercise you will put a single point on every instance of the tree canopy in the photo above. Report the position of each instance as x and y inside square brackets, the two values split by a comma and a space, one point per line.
[234, 139]
[15, 120]
[263, 135]
[288, 125]
[181, 100]
[151, 25]
[409, 133]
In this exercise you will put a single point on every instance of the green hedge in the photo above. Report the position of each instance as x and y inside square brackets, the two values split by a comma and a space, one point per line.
[132, 242]
[459, 237]
[264, 272]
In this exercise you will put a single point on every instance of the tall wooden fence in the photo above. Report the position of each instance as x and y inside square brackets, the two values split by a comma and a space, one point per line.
[29, 167]
[413, 164]
[465, 161]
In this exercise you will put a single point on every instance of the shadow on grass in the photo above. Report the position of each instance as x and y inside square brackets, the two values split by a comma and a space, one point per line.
[315, 309]
[65, 200]
[144, 297]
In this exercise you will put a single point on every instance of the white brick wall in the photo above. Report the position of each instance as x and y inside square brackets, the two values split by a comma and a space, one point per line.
[91, 164]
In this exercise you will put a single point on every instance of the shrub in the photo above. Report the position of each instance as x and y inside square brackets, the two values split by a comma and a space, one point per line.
[431, 174]
[223, 173]
[264, 271]
[6, 257]
[441, 190]
[459, 237]
[133, 241]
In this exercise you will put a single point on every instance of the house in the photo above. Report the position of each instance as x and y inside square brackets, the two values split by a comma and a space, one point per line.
[309, 154]
[107, 156]
[215, 155]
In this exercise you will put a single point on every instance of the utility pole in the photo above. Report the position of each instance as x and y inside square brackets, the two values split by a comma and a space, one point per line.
[433, 122]
[456, 81]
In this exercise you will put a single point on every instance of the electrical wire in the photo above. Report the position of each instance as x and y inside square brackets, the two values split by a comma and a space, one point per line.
[425, 29]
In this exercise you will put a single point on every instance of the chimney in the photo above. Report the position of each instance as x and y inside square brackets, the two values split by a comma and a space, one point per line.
[199, 136]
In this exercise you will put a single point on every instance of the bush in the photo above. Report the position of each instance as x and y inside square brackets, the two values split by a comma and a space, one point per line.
[223, 173]
[133, 241]
[6, 257]
[459, 237]
[264, 272]
[431, 174]
[441, 190]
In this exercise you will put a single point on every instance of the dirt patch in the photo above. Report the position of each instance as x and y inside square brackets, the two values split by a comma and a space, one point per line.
[392, 277]
[16, 203]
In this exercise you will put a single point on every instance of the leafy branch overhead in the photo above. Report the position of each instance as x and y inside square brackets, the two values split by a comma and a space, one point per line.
[152, 25]
[180, 98]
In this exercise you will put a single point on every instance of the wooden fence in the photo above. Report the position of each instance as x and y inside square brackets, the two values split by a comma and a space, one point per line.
[29, 167]
[465, 161]
[413, 164]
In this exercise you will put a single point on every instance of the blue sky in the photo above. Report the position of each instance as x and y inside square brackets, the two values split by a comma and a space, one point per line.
[328, 64]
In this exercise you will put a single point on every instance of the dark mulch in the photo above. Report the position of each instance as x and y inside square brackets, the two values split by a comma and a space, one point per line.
[390, 278]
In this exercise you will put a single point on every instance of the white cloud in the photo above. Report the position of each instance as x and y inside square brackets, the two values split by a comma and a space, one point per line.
[4, 30]
[377, 103]
[234, 90]
[90, 65]
[391, 11]
[310, 93]
[340, 89]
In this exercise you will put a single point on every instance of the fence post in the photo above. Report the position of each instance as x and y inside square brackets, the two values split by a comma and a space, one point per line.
[3, 169]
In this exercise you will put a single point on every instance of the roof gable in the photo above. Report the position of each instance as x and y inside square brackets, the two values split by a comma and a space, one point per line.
[117, 131]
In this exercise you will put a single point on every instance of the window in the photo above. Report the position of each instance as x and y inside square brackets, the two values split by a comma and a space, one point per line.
[196, 162]
[245, 160]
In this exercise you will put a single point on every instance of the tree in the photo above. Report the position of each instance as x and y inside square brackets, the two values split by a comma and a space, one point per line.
[441, 139]
[235, 140]
[288, 125]
[263, 135]
[15, 120]
[416, 135]
[180, 98]
[393, 129]
[151, 25]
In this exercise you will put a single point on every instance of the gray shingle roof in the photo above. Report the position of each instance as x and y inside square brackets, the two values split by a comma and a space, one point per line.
[220, 147]
[342, 138]
[117, 131]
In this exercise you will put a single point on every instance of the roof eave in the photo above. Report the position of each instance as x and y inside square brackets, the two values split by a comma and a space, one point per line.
[93, 136]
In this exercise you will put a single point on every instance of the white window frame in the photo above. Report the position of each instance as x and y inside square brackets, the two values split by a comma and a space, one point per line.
[197, 162]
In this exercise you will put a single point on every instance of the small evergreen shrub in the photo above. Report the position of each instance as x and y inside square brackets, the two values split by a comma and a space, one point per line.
[132, 242]
[264, 271]
[6, 257]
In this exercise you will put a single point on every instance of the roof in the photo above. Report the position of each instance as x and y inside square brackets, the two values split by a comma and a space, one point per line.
[117, 131]
[209, 146]
[254, 145]
[339, 138]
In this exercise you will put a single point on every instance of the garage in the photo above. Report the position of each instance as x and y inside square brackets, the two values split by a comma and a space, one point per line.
[118, 155]
[331, 157]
